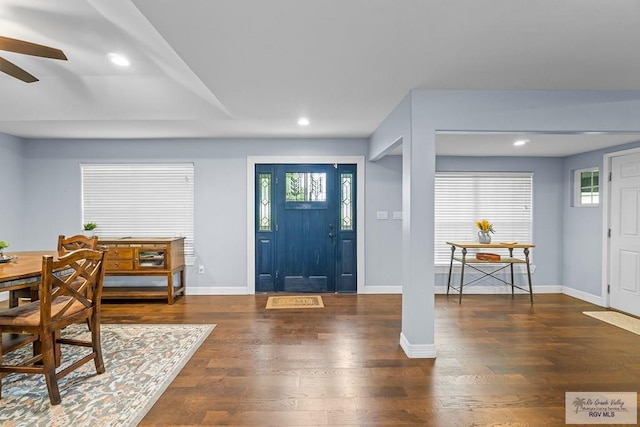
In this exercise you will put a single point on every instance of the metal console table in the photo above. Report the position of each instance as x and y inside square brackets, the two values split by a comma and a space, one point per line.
[507, 261]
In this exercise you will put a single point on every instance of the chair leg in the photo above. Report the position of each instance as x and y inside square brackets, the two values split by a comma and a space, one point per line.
[57, 350]
[13, 299]
[49, 368]
[97, 344]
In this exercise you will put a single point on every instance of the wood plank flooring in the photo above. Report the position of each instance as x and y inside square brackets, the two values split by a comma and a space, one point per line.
[500, 362]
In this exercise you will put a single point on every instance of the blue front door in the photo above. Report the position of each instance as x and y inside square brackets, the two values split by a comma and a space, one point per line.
[305, 228]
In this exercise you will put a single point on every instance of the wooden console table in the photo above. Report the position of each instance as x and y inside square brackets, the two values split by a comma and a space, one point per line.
[130, 256]
[506, 261]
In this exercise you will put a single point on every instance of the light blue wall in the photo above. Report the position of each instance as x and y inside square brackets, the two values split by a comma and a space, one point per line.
[422, 114]
[547, 206]
[11, 210]
[583, 228]
[396, 126]
[384, 256]
[52, 203]
[384, 237]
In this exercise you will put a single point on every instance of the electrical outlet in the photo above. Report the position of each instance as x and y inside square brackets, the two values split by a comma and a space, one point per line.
[201, 269]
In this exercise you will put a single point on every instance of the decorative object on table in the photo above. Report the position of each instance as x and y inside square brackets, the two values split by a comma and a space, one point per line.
[484, 228]
[485, 256]
[89, 228]
[3, 246]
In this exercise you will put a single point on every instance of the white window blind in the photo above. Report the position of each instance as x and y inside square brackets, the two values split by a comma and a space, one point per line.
[504, 199]
[140, 200]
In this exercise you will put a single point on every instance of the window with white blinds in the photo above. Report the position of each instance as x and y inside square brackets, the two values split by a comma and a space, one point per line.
[461, 199]
[140, 200]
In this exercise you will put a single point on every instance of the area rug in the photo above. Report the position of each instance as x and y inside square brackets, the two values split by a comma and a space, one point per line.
[620, 320]
[140, 361]
[306, 301]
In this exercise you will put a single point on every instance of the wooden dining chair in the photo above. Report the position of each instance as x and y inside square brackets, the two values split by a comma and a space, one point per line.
[69, 292]
[65, 245]
[73, 243]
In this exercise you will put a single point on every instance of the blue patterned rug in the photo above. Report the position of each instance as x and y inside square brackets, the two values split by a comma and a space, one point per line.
[140, 360]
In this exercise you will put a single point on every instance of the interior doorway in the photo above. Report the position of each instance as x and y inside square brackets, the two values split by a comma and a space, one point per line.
[624, 231]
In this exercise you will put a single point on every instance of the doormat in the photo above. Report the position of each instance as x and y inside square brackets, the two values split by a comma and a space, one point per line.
[620, 320]
[295, 301]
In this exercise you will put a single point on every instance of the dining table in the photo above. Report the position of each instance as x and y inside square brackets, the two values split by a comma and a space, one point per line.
[22, 270]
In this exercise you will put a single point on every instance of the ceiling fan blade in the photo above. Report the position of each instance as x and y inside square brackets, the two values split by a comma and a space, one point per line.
[15, 71]
[33, 49]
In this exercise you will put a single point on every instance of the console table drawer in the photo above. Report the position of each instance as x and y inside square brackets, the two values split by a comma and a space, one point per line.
[117, 252]
[119, 264]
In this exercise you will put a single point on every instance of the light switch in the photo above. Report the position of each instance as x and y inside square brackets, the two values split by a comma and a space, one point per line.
[382, 215]
[397, 214]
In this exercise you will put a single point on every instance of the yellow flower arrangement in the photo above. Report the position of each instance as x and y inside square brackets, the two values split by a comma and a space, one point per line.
[484, 225]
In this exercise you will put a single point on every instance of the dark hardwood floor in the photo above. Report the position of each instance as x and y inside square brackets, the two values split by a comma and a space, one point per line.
[500, 362]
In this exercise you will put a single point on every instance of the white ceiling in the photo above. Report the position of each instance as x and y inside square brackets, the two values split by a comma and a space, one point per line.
[250, 68]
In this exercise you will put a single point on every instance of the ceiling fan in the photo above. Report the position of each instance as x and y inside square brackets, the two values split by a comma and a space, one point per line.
[26, 48]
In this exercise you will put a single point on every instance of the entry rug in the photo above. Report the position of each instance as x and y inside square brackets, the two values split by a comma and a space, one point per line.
[620, 320]
[140, 361]
[306, 301]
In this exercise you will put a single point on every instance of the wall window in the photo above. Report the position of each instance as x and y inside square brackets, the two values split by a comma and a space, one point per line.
[140, 200]
[505, 199]
[586, 188]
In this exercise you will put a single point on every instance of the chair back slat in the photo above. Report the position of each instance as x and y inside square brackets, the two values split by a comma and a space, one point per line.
[71, 285]
[73, 243]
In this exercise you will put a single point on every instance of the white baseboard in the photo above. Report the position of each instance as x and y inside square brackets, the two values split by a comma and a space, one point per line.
[422, 351]
[482, 290]
[207, 290]
[593, 299]
[397, 289]
[239, 290]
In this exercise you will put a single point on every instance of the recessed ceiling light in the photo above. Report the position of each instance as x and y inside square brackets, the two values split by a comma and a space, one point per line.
[119, 59]
[303, 121]
[520, 142]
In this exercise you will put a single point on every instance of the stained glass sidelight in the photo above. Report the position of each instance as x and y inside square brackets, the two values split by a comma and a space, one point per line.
[306, 187]
[264, 223]
[346, 201]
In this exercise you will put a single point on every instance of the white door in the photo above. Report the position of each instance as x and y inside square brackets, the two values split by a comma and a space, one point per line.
[624, 267]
